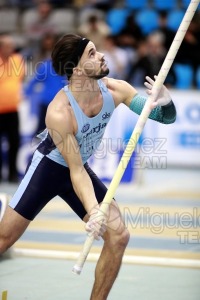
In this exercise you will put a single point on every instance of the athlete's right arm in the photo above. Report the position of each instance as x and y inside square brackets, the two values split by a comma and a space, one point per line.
[59, 122]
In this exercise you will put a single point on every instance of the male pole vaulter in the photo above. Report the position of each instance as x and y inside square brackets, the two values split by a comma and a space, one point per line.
[76, 123]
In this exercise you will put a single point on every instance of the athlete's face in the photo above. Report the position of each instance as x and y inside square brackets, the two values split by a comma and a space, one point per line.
[92, 63]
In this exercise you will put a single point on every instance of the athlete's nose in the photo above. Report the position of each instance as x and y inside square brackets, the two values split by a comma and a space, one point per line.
[101, 55]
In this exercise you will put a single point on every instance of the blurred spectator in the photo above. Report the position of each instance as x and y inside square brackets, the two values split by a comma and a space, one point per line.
[151, 54]
[131, 34]
[46, 46]
[11, 77]
[46, 83]
[168, 36]
[95, 30]
[189, 52]
[116, 58]
[38, 23]
[167, 33]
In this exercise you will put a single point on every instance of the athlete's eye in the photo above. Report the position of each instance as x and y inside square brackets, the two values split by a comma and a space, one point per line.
[92, 54]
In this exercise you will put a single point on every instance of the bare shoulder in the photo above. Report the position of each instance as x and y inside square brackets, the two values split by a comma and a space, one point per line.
[61, 125]
[114, 84]
[121, 90]
[59, 115]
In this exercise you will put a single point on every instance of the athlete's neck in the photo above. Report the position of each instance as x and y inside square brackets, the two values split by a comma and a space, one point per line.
[84, 88]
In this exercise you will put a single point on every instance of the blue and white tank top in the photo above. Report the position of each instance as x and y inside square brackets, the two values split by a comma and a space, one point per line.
[90, 129]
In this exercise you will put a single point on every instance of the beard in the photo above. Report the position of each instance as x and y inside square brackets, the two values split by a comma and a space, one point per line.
[102, 74]
[98, 75]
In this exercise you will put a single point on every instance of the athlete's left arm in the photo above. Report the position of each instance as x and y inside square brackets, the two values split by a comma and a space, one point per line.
[163, 109]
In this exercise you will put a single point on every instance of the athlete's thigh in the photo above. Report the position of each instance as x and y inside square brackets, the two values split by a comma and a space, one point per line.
[40, 184]
[12, 225]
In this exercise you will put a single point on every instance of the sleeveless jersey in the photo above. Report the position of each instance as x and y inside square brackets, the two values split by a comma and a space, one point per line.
[90, 129]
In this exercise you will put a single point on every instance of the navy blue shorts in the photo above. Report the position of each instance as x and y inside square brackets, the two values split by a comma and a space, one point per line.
[45, 179]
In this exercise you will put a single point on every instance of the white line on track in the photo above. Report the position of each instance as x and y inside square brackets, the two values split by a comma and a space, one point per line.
[143, 260]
